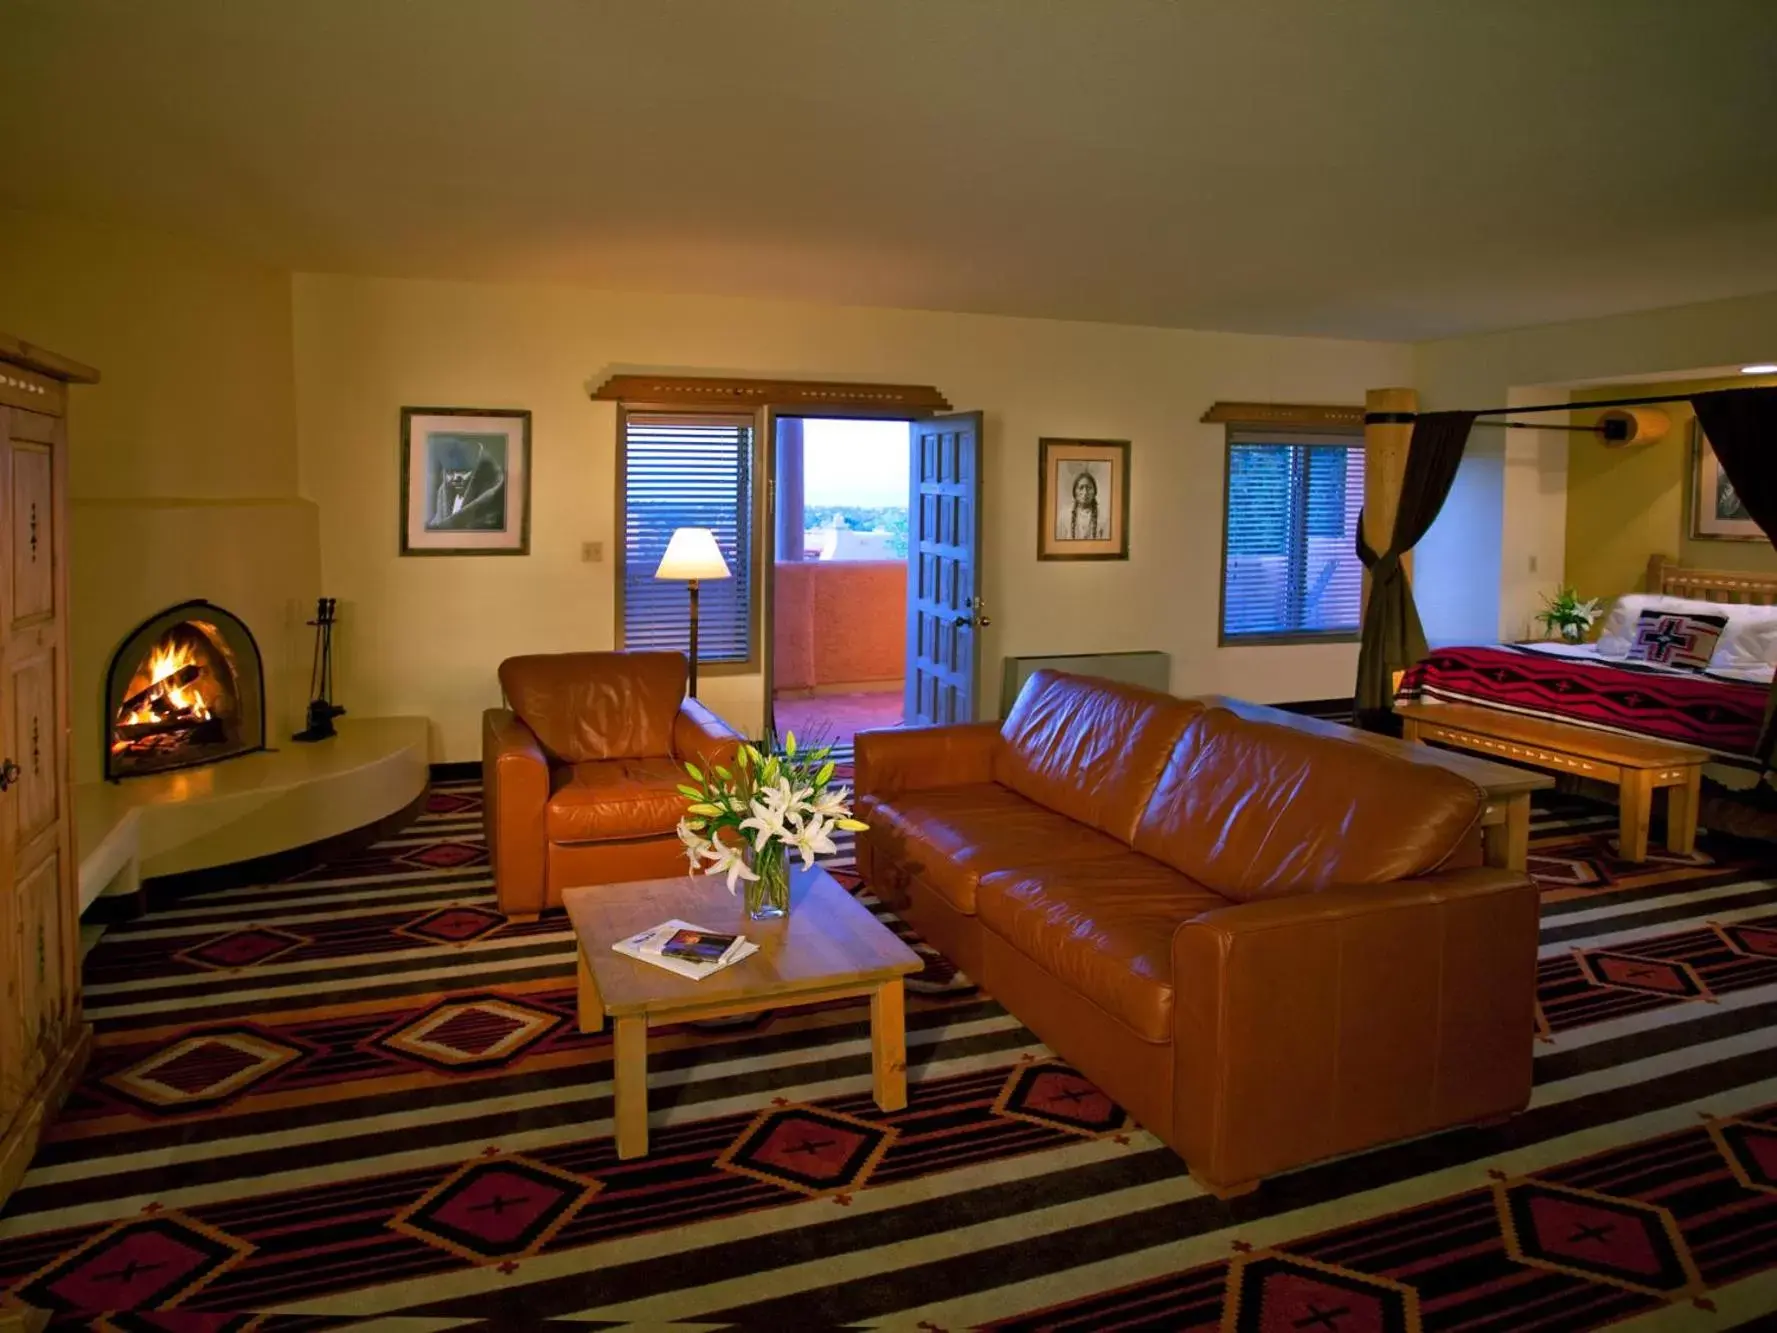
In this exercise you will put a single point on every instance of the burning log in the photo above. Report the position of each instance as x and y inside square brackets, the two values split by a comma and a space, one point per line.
[185, 675]
[193, 729]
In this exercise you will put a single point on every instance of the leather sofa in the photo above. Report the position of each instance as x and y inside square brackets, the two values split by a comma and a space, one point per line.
[1271, 947]
[581, 770]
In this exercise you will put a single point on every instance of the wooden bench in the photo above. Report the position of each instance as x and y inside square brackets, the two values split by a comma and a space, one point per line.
[1505, 819]
[1636, 764]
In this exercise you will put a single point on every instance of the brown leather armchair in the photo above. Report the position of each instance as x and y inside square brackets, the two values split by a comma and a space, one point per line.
[580, 773]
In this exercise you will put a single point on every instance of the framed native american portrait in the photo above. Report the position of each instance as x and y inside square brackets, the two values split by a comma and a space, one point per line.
[1716, 512]
[465, 481]
[1083, 499]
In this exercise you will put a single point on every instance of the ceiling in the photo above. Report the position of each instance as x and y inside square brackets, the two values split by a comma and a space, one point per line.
[1396, 169]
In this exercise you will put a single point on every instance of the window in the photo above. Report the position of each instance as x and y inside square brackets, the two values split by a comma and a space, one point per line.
[680, 471]
[1289, 570]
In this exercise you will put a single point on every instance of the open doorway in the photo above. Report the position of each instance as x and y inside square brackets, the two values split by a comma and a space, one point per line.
[839, 576]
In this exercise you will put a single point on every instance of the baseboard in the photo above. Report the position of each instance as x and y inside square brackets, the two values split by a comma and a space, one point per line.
[1333, 710]
[165, 889]
[466, 770]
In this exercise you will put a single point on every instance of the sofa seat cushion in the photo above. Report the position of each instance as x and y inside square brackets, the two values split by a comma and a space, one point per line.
[1103, 928]
[950, 837]
[615, 798]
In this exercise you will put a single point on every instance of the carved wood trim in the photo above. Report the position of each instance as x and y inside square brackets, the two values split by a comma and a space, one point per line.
[1285, 414]
[915, 400]
[21, 353]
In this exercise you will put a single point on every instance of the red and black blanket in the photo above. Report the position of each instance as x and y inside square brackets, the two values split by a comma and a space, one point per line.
[1708, 711]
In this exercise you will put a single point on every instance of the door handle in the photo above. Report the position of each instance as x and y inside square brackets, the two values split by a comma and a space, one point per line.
[9, 774]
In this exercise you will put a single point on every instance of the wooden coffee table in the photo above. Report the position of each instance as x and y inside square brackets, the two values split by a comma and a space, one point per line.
[830, 947]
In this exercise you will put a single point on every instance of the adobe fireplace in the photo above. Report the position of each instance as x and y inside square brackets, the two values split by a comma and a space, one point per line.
[186, 688]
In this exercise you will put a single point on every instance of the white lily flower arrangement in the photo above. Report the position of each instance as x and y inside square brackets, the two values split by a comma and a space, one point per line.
[1565, 614]
[744, 823]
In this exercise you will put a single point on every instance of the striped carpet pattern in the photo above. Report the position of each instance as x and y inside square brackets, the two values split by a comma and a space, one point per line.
[358, 1098]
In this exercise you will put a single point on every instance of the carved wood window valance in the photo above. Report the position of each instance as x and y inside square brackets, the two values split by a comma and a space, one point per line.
[813, 396]
[1286, 414]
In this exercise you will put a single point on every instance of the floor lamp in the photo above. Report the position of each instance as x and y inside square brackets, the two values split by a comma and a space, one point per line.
[692, 555]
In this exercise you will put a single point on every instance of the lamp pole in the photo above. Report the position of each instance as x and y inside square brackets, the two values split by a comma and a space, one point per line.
[691, 688]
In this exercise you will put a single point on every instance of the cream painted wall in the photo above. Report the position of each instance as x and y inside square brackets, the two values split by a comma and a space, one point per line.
[425, 635]
[1627, 503]
[1511, 493]
[183, 458]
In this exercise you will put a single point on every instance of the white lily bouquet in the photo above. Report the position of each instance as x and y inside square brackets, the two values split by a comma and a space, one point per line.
[1565, 614]
[744, 824]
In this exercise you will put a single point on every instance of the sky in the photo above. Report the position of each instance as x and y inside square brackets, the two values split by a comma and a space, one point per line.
[854, 463]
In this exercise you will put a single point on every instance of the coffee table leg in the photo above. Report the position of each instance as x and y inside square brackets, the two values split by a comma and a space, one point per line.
[1507, 844]
[888, 1046]
[630, 1081]
[1635, 800]
[592, 1006]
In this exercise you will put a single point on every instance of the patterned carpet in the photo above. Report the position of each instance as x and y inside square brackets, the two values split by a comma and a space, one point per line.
[358, 1099]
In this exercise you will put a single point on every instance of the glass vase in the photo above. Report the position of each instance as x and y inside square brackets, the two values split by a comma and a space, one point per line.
[768, 897]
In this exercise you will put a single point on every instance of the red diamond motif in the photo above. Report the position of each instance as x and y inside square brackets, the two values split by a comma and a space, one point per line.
[446, 855]
[496, 1209]
[243, 948]
[808, 1149]
[1053, 1094]
[1751, 1151]
[1618, 1241]
[1759, 941]
[140, 1264]
[1280, 1293]
[204, 1067]
[450, 803]
[455, 925]
[474, 1031]
[1655, 976]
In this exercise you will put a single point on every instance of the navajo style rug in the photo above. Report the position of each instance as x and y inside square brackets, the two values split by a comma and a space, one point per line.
[358, 1098]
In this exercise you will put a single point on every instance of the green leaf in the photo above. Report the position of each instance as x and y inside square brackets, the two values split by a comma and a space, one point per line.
[724, 774]
[820, 779]
[695, 772]
[690, 793]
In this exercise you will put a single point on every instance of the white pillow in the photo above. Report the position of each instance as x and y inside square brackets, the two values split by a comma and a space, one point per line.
[1750, 639]
[1618, 631]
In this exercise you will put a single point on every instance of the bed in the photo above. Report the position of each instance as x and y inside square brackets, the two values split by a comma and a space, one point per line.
[1720, 709]
[1589, 710]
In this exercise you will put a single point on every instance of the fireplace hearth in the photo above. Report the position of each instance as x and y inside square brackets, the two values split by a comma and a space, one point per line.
[186, 688]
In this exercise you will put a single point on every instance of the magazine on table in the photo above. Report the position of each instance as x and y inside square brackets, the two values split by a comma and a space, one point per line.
[689, 950]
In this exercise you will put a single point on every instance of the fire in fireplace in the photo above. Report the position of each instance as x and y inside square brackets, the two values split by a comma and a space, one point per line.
[185, 688]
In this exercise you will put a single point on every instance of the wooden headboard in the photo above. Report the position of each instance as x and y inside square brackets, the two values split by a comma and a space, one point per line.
[1665, 575]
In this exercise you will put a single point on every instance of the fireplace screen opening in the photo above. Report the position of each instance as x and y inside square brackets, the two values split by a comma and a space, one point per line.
[186, 688]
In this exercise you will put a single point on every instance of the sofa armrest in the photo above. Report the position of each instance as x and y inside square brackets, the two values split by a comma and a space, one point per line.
[515, 793]
[922, 758]
[1322, 1023]
[702, 737]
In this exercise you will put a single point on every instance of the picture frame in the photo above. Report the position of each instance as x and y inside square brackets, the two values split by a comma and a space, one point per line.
[465, 481]
[1082, 499]
[1716, 512]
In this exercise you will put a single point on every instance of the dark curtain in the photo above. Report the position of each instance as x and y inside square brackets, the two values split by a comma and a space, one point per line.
[1741, 426]
[1392, 638]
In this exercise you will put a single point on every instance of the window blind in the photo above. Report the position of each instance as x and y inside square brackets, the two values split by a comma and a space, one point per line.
[1288, 565]
[679, 472]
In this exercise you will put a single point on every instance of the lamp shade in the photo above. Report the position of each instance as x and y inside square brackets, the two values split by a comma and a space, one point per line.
[692, 554]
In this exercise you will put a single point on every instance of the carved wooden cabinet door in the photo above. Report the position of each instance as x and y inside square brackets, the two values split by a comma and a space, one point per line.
[34, 816]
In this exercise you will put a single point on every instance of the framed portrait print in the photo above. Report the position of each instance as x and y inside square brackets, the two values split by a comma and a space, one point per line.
[1716, 512]
[1082, 499]
[465, 481]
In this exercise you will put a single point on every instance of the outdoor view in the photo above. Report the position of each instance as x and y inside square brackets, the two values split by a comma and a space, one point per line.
[854, 504]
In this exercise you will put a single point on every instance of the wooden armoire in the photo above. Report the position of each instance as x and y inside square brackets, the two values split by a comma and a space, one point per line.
[43, 1037]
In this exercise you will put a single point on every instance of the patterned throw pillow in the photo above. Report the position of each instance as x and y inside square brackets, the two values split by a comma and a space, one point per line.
[1680, 639]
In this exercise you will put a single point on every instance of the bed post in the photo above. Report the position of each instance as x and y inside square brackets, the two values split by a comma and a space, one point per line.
[1656, 572]
[1385, 465]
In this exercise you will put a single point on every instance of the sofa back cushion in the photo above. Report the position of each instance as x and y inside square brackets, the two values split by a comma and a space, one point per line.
[1257, 810]
[1090, 749]
[585, 707]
